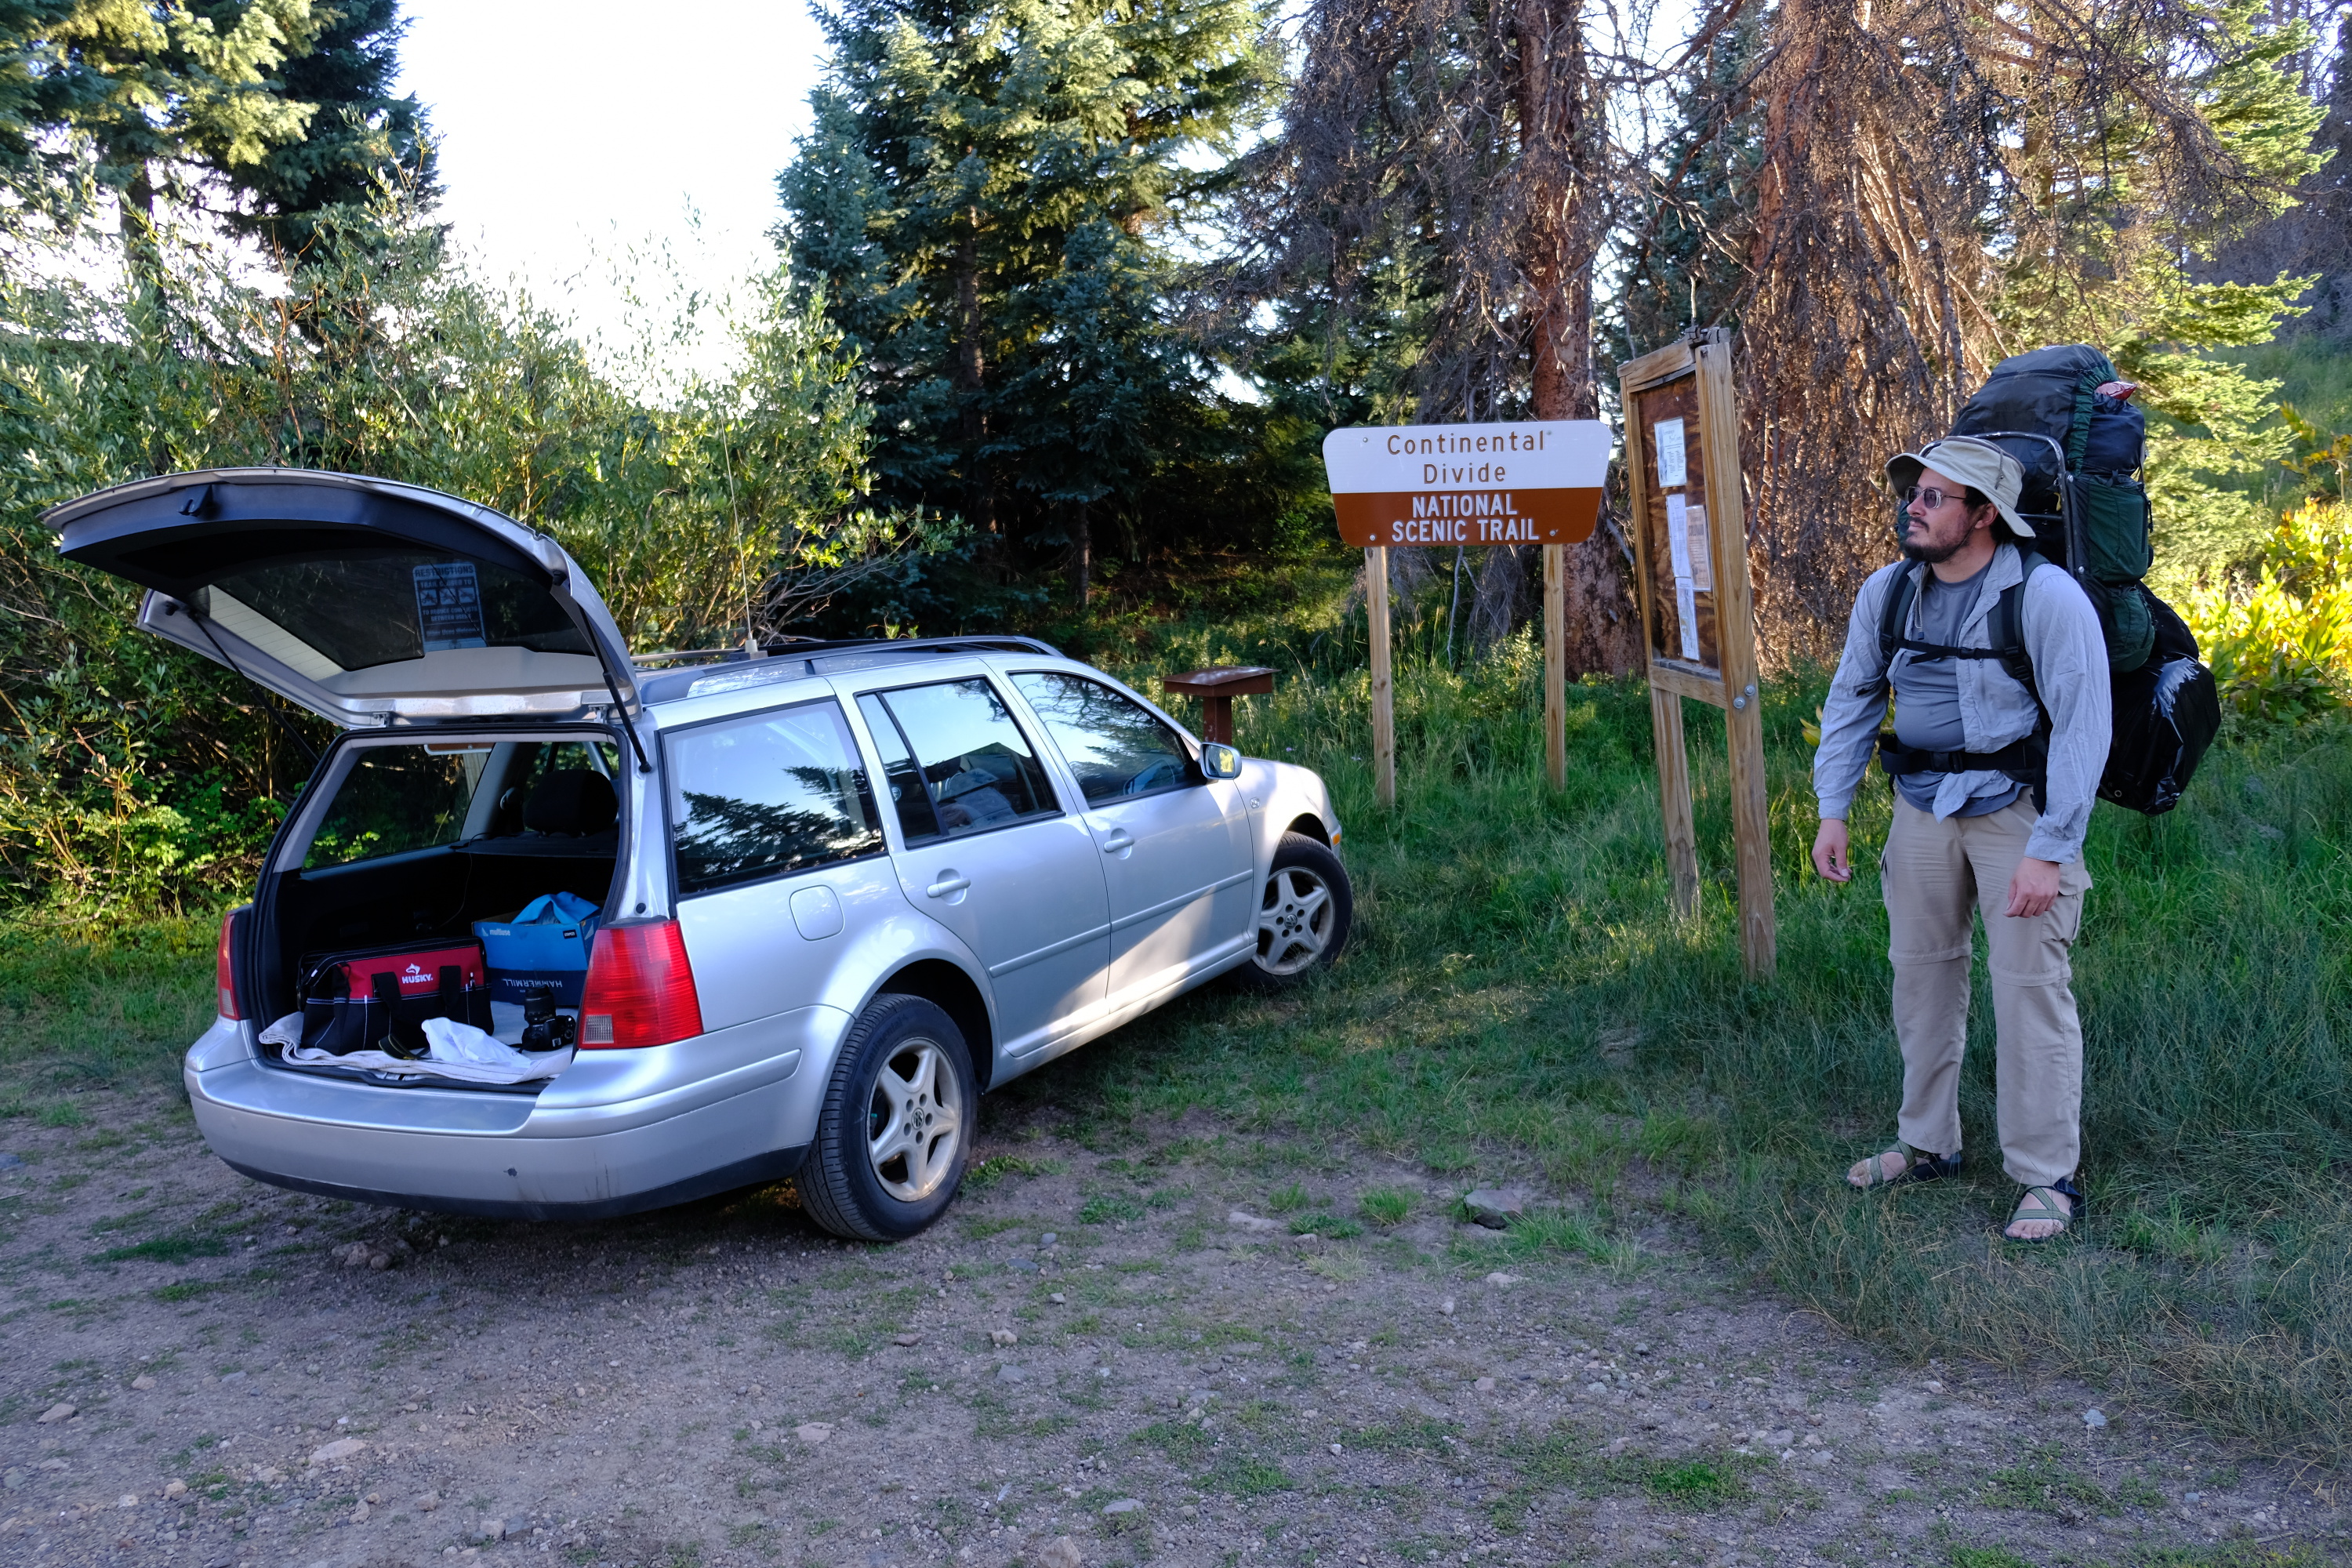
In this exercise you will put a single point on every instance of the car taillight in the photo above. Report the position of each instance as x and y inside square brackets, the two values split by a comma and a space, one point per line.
[640, 989]
[224, 966]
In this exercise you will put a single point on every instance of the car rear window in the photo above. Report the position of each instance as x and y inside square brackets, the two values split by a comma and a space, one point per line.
[384, 605]
[782, 790]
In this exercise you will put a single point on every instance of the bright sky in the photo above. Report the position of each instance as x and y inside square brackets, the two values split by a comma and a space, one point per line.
[571, 129]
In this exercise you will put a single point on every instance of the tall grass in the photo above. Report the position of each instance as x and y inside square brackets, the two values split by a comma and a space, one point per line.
[1518, 996]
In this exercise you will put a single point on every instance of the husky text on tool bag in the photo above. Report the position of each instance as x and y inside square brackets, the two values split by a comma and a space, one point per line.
[378, 1001]
[2066, 416]
[544, 947]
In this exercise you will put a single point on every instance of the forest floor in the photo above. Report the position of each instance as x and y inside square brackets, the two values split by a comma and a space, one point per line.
[1111, 1350]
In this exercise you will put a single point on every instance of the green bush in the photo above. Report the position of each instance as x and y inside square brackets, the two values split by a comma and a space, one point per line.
[2280, 647]
[136, 779]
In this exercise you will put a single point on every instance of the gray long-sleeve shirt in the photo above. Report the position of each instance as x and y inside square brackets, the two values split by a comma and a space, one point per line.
[2060, 631]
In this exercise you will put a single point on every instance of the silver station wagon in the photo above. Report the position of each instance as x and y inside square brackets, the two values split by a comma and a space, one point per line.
[841, 889]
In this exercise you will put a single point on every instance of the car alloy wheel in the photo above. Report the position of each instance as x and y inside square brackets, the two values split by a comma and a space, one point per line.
[914, 1121]
[1304, 909]
[1295, 920]
[896, 1128]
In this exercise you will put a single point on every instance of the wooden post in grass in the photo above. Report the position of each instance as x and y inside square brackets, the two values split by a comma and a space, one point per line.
[1699, 625]
[1376, 583]
[1532, 482]
[1555, 560]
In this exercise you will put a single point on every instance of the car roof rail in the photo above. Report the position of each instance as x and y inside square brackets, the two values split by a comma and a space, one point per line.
[817, 647]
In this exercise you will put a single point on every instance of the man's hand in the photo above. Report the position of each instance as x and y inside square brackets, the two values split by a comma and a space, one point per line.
[1832, 858]
[2031, 891]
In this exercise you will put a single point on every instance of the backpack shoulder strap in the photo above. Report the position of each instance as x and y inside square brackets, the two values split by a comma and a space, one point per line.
[2006, 629]
[1894, 614]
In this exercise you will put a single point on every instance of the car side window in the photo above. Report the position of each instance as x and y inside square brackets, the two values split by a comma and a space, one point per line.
[1117, 747]
[901, 779]
[395, 800]
[976, 768]
[780, 792]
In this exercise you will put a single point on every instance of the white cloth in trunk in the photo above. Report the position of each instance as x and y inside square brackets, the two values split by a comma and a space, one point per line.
[458, 1051]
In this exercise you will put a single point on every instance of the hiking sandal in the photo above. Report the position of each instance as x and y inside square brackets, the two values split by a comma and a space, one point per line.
[1919, 1166]
[2064, 1187]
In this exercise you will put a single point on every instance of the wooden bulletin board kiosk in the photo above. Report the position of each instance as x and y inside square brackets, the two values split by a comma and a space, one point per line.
[1690, 542]
[1533, 482]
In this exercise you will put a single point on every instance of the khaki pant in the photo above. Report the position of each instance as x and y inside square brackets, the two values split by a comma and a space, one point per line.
[1932, 874]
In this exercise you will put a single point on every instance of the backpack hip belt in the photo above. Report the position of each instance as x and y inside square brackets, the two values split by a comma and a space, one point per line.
[2026, 760]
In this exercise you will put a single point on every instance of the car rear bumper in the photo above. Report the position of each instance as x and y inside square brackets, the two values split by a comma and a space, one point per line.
[617, 1131]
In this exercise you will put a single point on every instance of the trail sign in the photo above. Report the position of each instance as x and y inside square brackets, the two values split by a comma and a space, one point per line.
[1536, 483]
[1532, 482]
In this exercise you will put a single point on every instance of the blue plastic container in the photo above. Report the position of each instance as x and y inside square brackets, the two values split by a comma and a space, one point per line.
[546, 944]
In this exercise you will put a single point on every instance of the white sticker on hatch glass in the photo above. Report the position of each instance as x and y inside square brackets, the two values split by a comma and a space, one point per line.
[449, 606]
[1671, 469]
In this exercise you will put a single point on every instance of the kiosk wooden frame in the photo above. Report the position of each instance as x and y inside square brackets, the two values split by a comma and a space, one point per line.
[1698, 624]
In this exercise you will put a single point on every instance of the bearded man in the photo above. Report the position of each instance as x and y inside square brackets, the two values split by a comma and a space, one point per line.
[1995, 762]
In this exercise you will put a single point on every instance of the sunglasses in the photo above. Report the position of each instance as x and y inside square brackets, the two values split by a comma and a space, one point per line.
[1932, 497]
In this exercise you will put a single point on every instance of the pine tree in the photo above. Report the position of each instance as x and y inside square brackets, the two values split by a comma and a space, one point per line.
[270, 112]
[360, 137]
[2098, 259]
[989, 196]
[1942, 186]
[1684, 262]
[1444, 181]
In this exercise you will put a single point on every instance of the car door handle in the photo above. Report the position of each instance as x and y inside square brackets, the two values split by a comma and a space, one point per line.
[949, 883]
[1119, 842]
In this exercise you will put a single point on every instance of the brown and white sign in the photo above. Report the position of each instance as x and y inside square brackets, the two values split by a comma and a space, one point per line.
[1536, 483]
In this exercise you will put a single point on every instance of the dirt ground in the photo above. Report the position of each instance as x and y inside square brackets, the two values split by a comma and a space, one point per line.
[1101, 1356]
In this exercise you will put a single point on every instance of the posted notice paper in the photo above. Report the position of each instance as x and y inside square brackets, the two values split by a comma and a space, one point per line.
[1702, 572]
[1673, 472]
[1678, 550]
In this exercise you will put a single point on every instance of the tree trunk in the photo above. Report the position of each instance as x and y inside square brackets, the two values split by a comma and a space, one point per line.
[1085, 544]
[141, 255]
[1556, 154]
[970, 367]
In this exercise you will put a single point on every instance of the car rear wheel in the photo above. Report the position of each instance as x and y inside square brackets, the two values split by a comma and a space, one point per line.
[898, 1123]
[1305, 908]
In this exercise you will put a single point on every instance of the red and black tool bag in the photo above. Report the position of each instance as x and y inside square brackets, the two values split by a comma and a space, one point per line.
[378, 1001]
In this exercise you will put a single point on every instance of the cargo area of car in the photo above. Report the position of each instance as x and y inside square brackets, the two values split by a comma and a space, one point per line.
[418, 841]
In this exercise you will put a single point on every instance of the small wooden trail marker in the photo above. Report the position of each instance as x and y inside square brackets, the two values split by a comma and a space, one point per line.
[1216, 688]
[1682, 464]
[1530, 482]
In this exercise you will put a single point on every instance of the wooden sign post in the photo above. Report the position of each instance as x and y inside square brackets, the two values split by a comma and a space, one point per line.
[1533, 482]
[1690, 534]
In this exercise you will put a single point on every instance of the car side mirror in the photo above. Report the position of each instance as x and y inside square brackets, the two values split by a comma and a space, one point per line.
[1220, 761]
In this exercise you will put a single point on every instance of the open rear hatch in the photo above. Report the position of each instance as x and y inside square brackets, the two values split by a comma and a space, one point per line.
[384, 606]
[367, 601]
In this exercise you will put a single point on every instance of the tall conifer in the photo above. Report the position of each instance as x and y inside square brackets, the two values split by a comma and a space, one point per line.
[989, 196]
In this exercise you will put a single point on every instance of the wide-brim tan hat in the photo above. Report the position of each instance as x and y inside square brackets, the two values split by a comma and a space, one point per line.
[1972, 462]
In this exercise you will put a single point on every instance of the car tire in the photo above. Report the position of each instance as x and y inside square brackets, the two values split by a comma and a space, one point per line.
[898, 1125]
[1304, 909]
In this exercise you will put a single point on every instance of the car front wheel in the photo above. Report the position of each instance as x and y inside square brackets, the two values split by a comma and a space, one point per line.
[1304, 911]
[898, 1123]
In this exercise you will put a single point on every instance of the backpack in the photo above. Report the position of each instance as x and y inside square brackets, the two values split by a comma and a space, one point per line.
[2081, 449]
